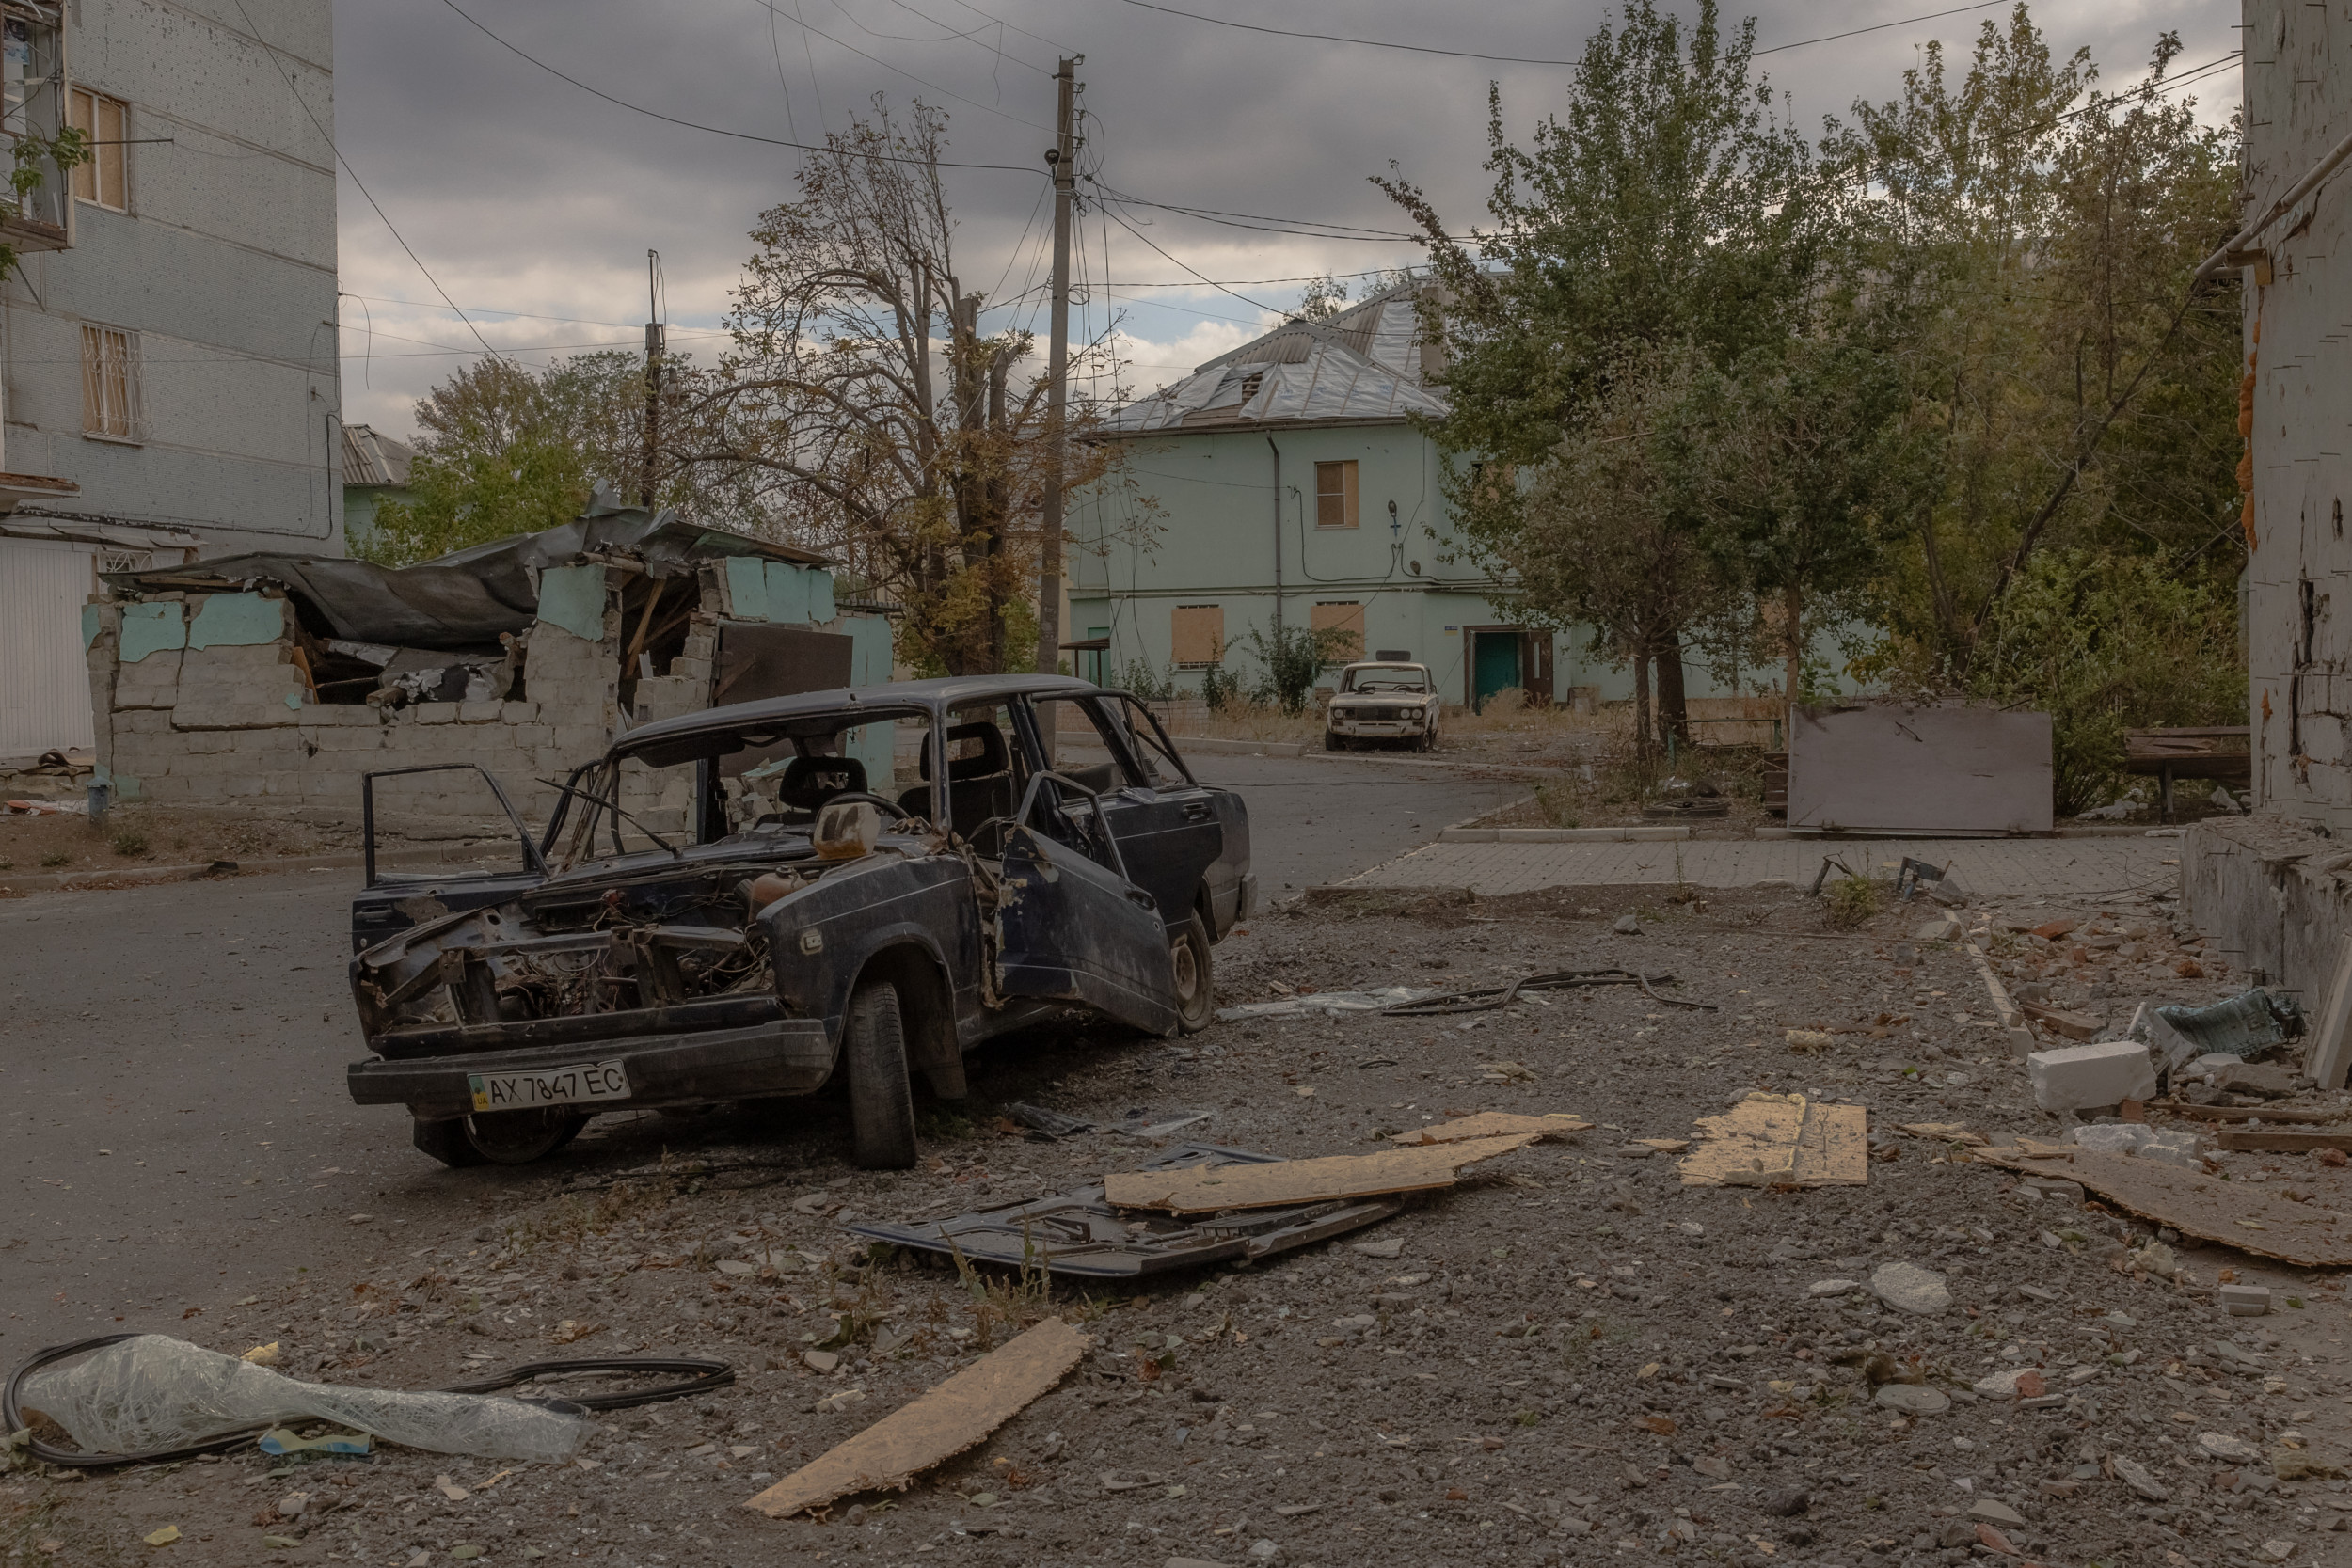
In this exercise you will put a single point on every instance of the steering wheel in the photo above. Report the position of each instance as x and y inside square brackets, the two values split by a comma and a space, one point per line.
[870, 798]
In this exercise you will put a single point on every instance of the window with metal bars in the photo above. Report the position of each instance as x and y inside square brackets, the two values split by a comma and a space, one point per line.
[110, 384]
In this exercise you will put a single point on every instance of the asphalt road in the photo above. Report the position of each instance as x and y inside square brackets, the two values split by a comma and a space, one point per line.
[171, 1102]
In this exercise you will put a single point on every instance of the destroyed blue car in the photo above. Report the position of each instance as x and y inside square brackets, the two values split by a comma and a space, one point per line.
[852, 887]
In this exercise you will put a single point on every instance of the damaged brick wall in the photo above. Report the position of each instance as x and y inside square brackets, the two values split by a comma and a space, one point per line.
[2294, 409]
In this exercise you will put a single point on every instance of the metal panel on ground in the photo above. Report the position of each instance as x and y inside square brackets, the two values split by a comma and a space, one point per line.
[1947, 769]
[45, 706]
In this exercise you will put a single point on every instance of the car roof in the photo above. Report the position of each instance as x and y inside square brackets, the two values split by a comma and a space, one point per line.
[937, 694]
[1387, 664]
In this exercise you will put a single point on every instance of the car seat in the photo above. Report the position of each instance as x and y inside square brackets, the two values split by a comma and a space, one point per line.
[808, 783]
[978, 788]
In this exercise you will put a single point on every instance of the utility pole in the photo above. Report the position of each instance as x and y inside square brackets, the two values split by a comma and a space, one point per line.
[653, 374]
[1061, 159]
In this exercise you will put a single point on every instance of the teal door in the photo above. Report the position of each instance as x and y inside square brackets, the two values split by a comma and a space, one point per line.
[1494, 666]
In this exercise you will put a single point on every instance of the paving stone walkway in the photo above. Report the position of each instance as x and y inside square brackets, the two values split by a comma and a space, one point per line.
[2000, 869]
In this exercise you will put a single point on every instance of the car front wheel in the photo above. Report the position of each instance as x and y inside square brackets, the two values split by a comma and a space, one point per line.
[1196, 990]
[881, 1102]
[1332, 742]
[499, 1137]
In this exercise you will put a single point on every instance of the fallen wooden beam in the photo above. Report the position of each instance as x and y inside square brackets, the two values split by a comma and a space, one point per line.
[1283, 1182]
[2235, 1213]
[1491, 1124]
[936, 1427]
[2282, 1142]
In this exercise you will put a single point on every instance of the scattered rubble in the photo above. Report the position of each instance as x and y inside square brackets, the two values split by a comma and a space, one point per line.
[1571, 1349]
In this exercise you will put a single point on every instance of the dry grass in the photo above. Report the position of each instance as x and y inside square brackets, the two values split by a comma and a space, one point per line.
[136, 836]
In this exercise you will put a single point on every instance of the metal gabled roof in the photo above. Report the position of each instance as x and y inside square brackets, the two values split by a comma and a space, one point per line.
[1364, 363]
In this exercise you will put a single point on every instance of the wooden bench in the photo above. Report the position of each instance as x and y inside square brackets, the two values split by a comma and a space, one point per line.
[2220, 752]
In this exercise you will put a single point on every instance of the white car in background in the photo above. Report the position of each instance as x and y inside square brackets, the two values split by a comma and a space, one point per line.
[1382, 702]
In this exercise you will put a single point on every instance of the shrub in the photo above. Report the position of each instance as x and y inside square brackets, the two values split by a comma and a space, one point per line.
[1852, 900]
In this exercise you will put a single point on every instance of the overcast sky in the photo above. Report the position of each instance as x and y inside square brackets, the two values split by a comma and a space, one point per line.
[533, 201]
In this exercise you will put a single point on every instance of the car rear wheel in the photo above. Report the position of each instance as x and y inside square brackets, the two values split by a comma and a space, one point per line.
[881, 1102]
[1196, 990]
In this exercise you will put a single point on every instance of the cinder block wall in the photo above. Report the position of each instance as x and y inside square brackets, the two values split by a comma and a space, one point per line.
[209, 710]
[2274, 896]
[200, 703]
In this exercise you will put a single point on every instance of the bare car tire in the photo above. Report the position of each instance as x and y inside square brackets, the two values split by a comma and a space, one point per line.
[882, 1101]
[1195, 988]
[520, 1137]
[1332, 742]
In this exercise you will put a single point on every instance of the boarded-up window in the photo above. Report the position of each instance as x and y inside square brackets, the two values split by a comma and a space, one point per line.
[110, 383]
[1335, 495]
[1197, 633]
[105, 180]
[1342, 615]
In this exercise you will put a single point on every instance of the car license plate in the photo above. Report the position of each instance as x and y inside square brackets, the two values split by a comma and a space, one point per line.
[555, 1085]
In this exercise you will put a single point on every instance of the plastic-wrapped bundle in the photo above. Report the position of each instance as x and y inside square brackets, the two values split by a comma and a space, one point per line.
[150, 1393]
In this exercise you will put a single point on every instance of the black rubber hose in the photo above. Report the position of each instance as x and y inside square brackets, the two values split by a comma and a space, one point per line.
[705, 1376]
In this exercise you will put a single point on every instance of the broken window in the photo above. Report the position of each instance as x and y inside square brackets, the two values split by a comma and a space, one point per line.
[104, 181]
[1335, 495]
[32, 80]
[110, 383]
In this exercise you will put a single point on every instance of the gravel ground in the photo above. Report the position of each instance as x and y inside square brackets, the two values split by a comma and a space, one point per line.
[1571, 1359]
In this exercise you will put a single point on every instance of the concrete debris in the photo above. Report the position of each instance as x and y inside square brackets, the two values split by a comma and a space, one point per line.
[1908, 1288]
[889, 1455]
[2059, 1020]
[1912, 1398]
[2244, 1300]
[1626, 925]
[2137, 1477]
[2078, 1077]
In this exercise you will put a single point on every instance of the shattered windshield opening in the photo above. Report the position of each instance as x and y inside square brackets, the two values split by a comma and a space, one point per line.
[747, 785]
[1389, 678]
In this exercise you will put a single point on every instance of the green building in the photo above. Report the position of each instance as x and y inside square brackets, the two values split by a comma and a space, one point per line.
[1293, 485]
[376, 470]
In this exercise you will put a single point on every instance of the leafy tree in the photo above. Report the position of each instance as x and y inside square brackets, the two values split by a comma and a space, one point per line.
[2103, 641]
[1803, 437]
[504, 450]
[1666, 213]
[2031, 266]
[1610, 537]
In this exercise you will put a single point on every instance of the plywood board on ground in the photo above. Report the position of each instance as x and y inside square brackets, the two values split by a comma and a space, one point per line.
[2281, 1142]
[2235, 1213]
[1286, 1181]
[1491, 1124]
[940, 1425]
[1780, 1140]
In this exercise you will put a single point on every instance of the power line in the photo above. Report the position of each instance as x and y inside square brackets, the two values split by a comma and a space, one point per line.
[355, 180]
[719, 130]
[1522, 59]
[877, 60]
[1257, 305]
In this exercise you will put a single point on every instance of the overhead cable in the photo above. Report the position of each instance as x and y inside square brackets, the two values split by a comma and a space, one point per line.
[1523, 59]
[720, 130]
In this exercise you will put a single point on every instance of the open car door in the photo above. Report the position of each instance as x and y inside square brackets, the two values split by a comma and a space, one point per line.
[1071, 927]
